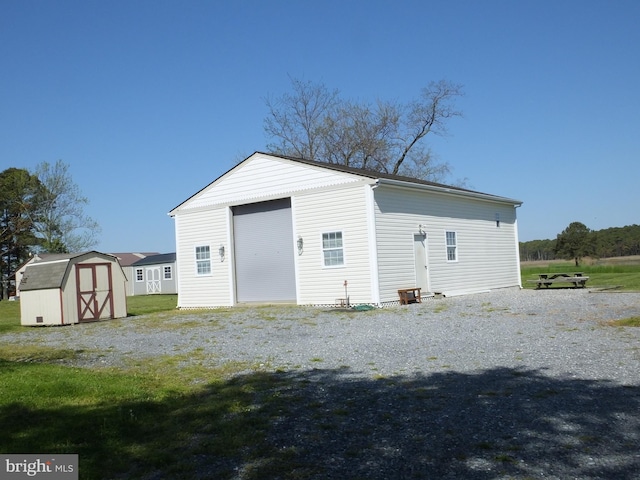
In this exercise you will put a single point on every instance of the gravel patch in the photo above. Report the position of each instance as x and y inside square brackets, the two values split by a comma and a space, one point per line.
[507, 384]
[558, 331]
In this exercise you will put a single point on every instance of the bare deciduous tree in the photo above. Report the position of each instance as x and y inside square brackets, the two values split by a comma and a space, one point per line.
[296, 120]
[313, 122]
[61, 223]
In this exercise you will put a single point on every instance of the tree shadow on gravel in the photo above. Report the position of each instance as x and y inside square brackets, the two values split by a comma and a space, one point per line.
[331, 424]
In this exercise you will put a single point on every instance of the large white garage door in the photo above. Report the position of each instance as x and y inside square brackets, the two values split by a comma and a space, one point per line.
[264, 252]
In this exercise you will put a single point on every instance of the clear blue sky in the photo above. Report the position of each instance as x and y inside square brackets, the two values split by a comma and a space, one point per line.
[149, 101]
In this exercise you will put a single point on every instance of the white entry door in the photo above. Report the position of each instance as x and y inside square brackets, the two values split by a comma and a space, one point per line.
[153, 280]
[421, 259]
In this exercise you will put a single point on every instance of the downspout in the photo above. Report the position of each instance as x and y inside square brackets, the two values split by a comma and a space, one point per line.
[518, 270]
[230, 259]
[373, 244]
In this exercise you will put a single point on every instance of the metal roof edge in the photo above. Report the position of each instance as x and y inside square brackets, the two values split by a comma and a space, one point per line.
[441, 188]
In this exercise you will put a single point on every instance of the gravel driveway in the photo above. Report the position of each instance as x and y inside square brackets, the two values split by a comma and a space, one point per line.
[506, 384]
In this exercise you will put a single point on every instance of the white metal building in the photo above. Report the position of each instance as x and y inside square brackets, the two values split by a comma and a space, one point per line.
[155, 274]
[72, 288]
[276, 229]
[126, 260]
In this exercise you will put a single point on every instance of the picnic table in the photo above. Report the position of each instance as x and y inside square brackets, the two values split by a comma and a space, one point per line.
[578, 279]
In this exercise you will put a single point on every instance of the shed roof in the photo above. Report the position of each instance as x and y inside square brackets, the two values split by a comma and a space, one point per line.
[40, 276]
[155, 259]
[50, 272]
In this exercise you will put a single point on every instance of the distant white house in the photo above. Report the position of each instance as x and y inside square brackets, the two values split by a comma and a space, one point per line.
[154, 274]
[127, 259]
[277, 229]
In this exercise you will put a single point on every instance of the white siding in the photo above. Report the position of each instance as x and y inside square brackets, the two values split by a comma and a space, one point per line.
[69, 297]
[378, 233]
[196, 229]
[487, 253]
[315, 213]
[129, 274]
[45, 304]
[264, 177]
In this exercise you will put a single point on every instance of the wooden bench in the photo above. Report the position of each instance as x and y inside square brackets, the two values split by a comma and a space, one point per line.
[409, 295]
[578, 279]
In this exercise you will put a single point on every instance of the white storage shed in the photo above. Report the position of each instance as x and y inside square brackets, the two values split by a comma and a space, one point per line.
[72, 288]
[278, 229]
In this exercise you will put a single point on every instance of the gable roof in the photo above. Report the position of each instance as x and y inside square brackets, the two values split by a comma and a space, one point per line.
[155, 259]
[373, 176]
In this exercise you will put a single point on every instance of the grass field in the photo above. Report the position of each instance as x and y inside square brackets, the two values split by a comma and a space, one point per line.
[603, 274]
[124, 423]
[119, 419]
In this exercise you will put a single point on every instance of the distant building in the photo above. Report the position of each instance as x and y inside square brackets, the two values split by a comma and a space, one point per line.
[127, 259]
[154, 274]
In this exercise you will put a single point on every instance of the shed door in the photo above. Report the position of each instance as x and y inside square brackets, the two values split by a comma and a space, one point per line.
[153, 280]
[95, 291]
[264, 252]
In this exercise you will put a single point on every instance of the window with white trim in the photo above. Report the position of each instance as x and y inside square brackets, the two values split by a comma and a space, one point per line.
[203, 260]
[139, 275]
[452, 247]
[332, 249]
[168, 274]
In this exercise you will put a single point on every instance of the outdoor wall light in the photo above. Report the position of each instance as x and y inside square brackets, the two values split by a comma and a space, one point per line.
[300, 244]
[221, 252]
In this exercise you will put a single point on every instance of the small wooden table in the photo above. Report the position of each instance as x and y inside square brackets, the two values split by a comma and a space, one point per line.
[578, 279]
[409, 295]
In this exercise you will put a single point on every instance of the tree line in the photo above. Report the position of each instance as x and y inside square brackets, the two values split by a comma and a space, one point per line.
[577, 241]
[41, 212]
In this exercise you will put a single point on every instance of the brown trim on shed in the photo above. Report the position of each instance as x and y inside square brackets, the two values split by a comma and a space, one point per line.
[89, 308]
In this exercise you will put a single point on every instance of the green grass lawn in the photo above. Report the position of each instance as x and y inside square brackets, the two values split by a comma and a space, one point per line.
[623, 277]
[9, 316]
[122, 422]
[144, 304]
